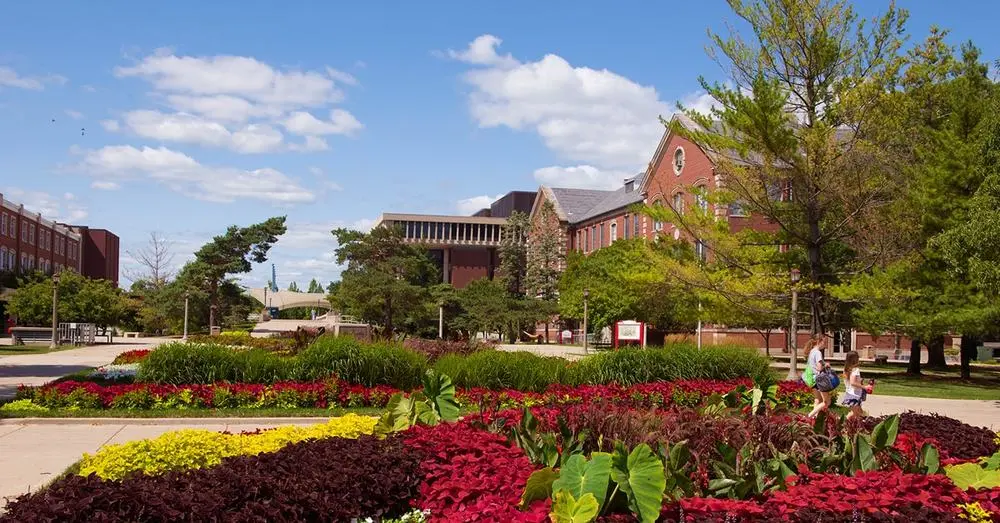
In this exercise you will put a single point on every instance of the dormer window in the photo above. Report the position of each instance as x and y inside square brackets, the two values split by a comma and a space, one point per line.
[630, 186]
[678, 160]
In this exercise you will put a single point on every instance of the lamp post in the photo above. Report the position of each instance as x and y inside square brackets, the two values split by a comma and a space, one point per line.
[441, 320]
[793, 331]
[699, 325]
[186, 296]
[55, 311]
[586, 296]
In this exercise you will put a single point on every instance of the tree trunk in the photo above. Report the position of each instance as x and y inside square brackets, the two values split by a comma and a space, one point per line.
[914, 366]
[968, 348]
[546, 331]
[935, 353]
[767, 342]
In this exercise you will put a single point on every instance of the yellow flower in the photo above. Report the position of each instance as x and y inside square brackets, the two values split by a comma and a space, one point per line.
[975, 513]
[193, 448]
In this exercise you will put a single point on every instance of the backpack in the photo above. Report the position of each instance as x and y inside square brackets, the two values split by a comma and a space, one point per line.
[827, 380]
[809, 376]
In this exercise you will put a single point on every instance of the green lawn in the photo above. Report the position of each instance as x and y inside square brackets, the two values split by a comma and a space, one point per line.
[945, 384]
[33, 348]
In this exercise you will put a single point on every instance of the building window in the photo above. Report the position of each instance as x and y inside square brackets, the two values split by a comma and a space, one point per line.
[701, 250]
[625, 227]
[679, 203]
[736, 209]
[3, 258]
[613, 233]
[635, 225]
[601, 244]
[657, 224]
[24, 232]
[678, 160]
[31, 234]
[3, 224]
[587, 247]
[701, 198]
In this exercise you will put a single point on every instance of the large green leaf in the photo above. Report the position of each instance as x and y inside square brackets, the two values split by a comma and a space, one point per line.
[579, 476]
[640, 475]
[930, 458]
[441, 392]
[539, 486]
[992, 462]
[864, 457]
[567, 509]
[397, 415]
[884, 434]
[971, 475]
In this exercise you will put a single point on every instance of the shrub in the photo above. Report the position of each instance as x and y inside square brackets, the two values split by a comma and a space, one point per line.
[435, 349]
[498, 370]
[333, 479]
[188, 449]
[680, 361]
[357, 362]
[959, 440]
[189, 363]
[22, 405]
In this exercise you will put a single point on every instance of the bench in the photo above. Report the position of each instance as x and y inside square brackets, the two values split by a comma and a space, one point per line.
[131, 334]
[31, 334]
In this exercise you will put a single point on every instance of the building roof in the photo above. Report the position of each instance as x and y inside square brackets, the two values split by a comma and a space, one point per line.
[577, 205]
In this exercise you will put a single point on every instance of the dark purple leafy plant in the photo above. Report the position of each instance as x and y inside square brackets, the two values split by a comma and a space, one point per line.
[332, 479]
[956, 439]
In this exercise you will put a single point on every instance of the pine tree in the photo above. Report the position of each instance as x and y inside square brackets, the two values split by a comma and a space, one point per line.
[514, 253]
[545, 256]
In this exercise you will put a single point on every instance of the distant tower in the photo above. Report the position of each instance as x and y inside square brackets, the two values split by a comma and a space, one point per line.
[274, 279]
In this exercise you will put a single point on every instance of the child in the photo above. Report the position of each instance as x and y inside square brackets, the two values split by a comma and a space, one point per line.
[815, 364]
[856, 391]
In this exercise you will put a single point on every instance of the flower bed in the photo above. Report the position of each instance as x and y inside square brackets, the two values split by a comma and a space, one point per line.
[334, 393]
[333, 479]
[189, 449]
[960, 440]
[131, 356]
[115, 372]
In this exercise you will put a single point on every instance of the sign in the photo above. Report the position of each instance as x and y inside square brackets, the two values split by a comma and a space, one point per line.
[272, 311]
[630, 333]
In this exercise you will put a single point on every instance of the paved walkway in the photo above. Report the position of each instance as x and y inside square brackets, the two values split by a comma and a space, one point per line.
[982, 413]
[39, 369]
[33, 452]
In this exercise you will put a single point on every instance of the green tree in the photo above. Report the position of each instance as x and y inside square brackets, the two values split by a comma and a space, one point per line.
[293, 287]
[514, 253]
[386, 281]
[546, 254]
[81, 300]
[231, 253]
[486, 307]
[314, 286]
[795, 114]
[626, 281]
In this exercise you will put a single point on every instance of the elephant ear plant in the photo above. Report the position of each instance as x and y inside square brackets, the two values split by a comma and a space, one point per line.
[435, 404]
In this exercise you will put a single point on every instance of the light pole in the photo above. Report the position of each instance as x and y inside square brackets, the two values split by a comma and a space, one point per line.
[441, 320]
[55, 311]
[186, 296]
[699, 325]
[586, 296]
[793, 340]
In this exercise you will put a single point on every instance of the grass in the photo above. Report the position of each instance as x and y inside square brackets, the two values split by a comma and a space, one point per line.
[193, 413]
[34, 348]
[942, 384]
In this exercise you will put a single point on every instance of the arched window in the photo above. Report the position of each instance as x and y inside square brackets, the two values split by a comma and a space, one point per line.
[614, 232]
[678, 160]
[701, 198]
[3, 255]
[657, 224]
[679, 203]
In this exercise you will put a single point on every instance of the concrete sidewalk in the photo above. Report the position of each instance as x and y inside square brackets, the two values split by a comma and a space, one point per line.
[981, 413]
[34, 451]
[39, 369]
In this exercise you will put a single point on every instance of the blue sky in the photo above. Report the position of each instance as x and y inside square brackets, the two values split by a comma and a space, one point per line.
[198, 115]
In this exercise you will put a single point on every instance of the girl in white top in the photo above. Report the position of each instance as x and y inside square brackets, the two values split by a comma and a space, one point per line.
[856, 391]
[821, 400]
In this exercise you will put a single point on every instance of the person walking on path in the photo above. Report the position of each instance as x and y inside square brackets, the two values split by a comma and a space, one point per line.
[815, 365]
[856, 392]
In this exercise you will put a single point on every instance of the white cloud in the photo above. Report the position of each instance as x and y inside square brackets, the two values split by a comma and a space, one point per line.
[223, 107]
[583, 114]
[76, 115]
[105, 186]
[187, 128]
[311, 144]
[65, 209]
[580, 177]
[476, 203]
[341, 76]
[10, 78]
[341, 122]
[183, 174]
[483, 51]
[110, 125]
[234, 75]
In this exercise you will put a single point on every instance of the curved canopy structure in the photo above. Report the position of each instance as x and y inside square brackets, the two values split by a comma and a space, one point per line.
[288, 299]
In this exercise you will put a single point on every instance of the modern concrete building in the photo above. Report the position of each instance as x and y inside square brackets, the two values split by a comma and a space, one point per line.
[465, 247]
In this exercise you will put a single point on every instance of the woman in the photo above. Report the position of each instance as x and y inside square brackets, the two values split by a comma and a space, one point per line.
[856, 392]
[815, 364]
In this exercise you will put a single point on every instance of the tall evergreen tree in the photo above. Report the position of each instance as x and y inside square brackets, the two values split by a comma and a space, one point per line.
[545, 258]
[514, 253]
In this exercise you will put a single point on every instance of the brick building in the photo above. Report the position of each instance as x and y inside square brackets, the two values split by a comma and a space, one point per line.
[31, 242]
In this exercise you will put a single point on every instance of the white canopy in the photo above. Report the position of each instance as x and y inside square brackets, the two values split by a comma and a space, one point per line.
[289, 299]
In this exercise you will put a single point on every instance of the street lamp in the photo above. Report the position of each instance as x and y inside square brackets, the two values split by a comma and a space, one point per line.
[441, 320]
[586, 296]
[186, 296]
[55, 311]
[793, 341]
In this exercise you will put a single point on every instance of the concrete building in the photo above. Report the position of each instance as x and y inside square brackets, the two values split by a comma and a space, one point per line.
[464, 247]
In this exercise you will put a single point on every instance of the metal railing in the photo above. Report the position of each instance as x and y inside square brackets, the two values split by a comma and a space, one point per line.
[77, 333]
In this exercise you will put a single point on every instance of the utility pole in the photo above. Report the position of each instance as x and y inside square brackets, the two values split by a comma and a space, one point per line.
[186, 296]
[55, 311]
[586, 296]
